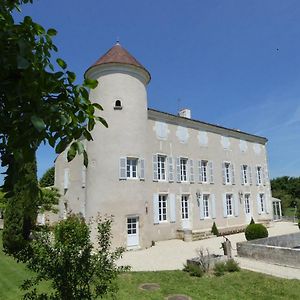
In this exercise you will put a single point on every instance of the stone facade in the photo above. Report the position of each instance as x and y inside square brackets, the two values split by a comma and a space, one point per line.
[157, 173]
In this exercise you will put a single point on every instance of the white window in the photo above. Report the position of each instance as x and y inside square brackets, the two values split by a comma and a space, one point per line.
[245, 174]
[184, 207]
[228, 173]
[262, 202]
[162, 208]
[229, 204]
[204, 171]
[161, 167]
[206, 205]
[183, 169]
[247, 203]
[132, 164]
[259, 175]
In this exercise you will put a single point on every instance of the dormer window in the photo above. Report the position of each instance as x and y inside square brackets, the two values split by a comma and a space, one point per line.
[118, 104]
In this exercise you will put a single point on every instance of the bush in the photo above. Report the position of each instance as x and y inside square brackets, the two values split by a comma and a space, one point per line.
[232, 266]
[194, 270]
[219, 268]
[255, 231]
[214, 229]
[252, 221]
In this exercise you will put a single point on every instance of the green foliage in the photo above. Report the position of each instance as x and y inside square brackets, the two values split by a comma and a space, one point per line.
[255, 231]
[76, 269]
[48, 200]
[48, 178]
[252, 221]
[21, 210]
[288, 190]
[214, 229]
[219, 268]
[193, 270]
[232, 266]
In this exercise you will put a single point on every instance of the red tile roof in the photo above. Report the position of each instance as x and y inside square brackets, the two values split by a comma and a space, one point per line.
[118, 54]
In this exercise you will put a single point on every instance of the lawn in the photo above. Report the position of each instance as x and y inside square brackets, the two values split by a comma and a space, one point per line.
[240, 285]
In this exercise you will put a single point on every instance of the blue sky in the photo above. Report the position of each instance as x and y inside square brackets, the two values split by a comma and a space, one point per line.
[233, 63]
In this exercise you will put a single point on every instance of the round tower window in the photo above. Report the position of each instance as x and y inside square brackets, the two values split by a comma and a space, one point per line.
[118, 104]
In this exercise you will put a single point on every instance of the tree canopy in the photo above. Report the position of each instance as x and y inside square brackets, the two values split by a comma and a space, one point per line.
[48, 178]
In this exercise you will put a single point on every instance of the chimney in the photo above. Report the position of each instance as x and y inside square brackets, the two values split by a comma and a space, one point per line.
[185, 112]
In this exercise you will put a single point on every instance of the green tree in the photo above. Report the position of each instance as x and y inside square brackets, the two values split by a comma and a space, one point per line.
[39, 102]
[74, 267]
[48, 178]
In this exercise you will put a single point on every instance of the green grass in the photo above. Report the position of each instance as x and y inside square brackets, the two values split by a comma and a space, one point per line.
[289, 212]
[239, 285]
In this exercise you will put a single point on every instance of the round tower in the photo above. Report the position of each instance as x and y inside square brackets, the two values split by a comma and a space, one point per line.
[122, 93]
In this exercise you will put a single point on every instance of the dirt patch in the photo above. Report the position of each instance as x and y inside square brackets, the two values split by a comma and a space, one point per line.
[178, 297]
[149, 286]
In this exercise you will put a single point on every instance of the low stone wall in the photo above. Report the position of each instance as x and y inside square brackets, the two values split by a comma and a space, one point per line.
[277, 249]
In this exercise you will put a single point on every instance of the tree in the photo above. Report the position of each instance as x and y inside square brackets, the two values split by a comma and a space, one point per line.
[39, 102]
[48, 178]
[74, 267]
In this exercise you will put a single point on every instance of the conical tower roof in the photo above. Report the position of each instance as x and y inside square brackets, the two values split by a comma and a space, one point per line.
[119, 55]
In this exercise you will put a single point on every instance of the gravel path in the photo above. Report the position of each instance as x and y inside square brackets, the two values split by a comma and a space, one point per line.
[172, 254]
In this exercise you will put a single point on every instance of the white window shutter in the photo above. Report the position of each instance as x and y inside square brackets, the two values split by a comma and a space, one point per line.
[263, 175]
[267, 204]
[236, 205]
[201, 207]
[142, 169]
[258, 204]
[172, 203]
[242, 175]
[211, 172]
[266, 174]
[123, 165]
[213, 206]
[256, 172]
[192, 177]
[224, 173]
[232, 173]
[66, 178]
[178, 169]
[155, 209]
[224, 206]
[83, 176]
[250, 174]
[155, 167]
[200, 171]
[171, 169]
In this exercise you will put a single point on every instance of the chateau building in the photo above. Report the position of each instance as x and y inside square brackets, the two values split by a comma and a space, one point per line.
[161, 176]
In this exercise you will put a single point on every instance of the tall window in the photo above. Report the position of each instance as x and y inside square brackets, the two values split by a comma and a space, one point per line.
[161, 167]
[183, 169]
[132, 167]
[262, 202]
[204, 170]
[206, 205]
[227, 173]
[247, 203]
[162, 208]
[184, 207]
[259, 175]
[245, 174]
[229, 204]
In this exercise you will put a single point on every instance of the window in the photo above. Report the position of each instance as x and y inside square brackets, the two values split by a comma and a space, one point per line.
[258, 175]
[131, 225]
[227, 173]
[244, 174]
[118, 104]
[247, 203]
[132, 167]
[262, 203]
[183, 169]
[184, 207]
[162, 208]
[206, 205]
[204, 171]
[229, 204]
[161, 167]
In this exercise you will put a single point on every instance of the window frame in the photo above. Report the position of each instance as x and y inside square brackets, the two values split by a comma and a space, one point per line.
[259, 175]
[247, 200]
[245, 169]
[185, 207]
[183, 169]
[204, 171]
[229, 205]
[130, 171]
[161, 167]
[206, 205]
[262, 202]
[162, 209]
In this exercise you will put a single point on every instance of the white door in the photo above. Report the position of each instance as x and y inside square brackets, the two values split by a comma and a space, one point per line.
[132, 231]
[247, 208]
[185, 212]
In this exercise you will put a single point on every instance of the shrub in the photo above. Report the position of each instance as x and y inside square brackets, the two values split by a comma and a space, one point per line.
[219, 268]
[214, 229]
[252, 221]
[194, 270]
[255, 231]
[232, 266]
